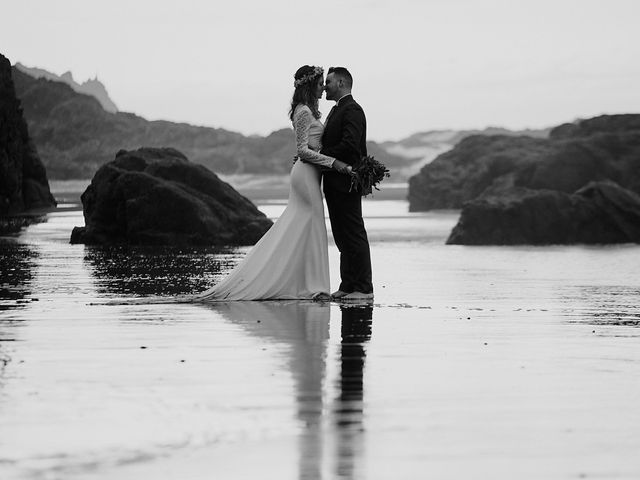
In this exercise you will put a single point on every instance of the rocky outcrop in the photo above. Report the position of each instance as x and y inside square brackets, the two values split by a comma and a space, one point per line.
[422, 148]
[23, 178]
[599, 213]
[472, 166]
[623, 123]
[156, 196]
[601, 148]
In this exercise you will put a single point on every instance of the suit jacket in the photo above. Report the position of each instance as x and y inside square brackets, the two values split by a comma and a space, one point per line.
[344, 138]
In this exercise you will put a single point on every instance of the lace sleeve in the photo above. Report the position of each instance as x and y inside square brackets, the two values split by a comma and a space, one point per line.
[301, 122]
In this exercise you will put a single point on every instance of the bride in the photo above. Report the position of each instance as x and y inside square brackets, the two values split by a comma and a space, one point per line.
[291, 260]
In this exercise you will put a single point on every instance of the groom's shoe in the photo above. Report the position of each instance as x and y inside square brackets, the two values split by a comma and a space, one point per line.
[338, 294]
[358, 296]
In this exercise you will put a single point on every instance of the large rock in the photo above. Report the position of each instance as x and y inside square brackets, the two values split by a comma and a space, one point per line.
[601, 148]
[23, 178]
[420, 149]
[603, 124]
[155, 196]
[599, 213]
[471, 167]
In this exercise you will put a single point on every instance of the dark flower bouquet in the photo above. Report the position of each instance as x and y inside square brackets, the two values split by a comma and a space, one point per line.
[367, 174]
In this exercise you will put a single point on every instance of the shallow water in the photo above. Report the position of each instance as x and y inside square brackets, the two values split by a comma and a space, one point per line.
[474, 362]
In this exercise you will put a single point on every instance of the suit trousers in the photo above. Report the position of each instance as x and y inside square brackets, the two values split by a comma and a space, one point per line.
[347, 225]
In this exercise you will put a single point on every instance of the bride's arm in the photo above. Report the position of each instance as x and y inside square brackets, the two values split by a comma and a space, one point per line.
[302, 119]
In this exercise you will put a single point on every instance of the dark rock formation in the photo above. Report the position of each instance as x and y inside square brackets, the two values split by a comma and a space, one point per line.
[602, 124]
[599, 213]
[156, 196]
[471, 167]
[601, 148]
[420, 149]
[23, 178]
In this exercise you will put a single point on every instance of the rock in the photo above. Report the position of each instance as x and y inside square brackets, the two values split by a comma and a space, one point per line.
[574, 162]
[472, 166]
[603, 124]
[599, 213]
[420, 149]
[601, 148]
[23, 178]
[156, 196]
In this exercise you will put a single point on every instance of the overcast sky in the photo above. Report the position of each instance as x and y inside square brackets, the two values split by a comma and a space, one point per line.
[418, 64]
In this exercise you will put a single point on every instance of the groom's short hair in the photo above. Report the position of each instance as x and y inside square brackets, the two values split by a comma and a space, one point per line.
[342, 73]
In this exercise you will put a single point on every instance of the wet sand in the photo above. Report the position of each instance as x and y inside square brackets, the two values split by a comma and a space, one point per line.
[473, 362]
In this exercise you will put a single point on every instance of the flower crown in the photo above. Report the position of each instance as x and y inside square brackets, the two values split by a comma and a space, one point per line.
[309, 76]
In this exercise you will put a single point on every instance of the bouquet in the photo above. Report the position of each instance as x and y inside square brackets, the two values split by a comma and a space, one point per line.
[367, 174]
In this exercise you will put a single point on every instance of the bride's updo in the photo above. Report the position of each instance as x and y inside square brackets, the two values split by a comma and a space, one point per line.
[305, 83]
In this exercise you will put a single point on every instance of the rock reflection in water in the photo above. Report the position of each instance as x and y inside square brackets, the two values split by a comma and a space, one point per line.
[17, 263]
[606, 305]
[122, 270]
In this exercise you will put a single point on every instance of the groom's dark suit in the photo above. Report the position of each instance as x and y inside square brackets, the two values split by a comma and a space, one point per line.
[344, 138]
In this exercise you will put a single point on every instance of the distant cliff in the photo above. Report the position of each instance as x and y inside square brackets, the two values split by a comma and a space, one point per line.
[75, 136]
[602, 148]
[23, 178]
[93, 86]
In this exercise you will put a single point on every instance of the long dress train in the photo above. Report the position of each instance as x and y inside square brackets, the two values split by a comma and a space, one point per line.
[291, 260]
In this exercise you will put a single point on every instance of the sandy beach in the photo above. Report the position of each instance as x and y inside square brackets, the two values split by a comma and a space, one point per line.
[473, 362]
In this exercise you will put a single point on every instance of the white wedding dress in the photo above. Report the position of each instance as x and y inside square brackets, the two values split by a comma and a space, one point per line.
[291, 260]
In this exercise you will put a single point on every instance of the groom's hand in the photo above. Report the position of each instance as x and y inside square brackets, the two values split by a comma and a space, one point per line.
[341, 167]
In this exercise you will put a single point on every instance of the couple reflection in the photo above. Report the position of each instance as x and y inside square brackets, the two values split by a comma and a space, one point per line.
[349, 414]
[328, 372]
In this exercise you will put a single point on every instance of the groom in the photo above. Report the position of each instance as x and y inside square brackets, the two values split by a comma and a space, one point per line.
[344, 138]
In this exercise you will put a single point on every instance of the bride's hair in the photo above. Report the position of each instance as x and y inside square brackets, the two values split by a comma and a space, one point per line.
[305, 82]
